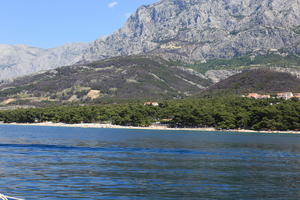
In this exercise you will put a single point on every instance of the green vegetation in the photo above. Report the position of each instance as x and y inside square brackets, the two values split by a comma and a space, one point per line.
[221, 113]
[242, 62]
[297, 30]
[239, 17]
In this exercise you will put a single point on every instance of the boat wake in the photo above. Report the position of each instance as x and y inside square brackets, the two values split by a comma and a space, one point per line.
[4, 197]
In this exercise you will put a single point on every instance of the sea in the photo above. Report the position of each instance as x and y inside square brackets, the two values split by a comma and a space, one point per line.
[90, 163]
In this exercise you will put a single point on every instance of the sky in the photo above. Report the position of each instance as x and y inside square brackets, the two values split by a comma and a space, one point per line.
[50, 23]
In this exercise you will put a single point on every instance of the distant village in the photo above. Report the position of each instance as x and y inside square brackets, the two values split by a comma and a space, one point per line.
[283, 95]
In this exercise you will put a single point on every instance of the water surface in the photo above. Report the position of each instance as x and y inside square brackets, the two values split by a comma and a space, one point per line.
[77, 163]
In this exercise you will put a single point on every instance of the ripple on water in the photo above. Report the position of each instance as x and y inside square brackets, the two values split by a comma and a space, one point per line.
[70, 163]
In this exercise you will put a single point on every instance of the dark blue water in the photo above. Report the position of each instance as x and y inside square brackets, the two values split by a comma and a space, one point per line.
[76, 163]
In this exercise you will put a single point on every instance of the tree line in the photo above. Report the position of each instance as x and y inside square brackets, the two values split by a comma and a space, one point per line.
[221, 113]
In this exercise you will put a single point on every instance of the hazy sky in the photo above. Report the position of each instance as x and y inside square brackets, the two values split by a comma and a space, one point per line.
[50, 23]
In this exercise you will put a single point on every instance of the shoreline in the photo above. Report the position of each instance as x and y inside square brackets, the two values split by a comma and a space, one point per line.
[153, 127]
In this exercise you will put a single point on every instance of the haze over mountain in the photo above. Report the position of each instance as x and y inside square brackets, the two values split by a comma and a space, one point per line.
[186, 30]
[19, 60]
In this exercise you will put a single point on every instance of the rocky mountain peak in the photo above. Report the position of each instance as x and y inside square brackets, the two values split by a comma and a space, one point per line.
[204, 29]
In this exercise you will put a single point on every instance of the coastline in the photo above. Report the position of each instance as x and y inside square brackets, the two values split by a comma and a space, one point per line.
[153, 127]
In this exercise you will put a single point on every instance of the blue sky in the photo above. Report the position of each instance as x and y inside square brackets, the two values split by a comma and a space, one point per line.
[50, 23]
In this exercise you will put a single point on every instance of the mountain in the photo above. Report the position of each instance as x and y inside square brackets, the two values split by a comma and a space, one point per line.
[188, 31]
[138, 77]
[200, 30]
[141, 78]
[20, 60]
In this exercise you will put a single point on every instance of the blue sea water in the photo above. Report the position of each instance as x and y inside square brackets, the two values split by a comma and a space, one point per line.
[77, 163]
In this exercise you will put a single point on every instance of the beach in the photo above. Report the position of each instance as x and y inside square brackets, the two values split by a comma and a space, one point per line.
[152, 127]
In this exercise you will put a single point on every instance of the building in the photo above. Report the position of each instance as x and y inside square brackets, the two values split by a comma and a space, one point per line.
[253, 95]
[282, 95]
[151, 104]
[296, 95]
[285, 95]
[265, 96]
[258, 96]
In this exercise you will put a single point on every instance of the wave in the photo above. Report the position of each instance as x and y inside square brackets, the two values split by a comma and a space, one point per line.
[104, 149]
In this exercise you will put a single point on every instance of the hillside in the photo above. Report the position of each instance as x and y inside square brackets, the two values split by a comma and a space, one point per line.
[151, 78]
[256, 80]
[137, 77]
[268, 59]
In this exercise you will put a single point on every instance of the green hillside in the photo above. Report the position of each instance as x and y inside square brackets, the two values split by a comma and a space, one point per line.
[244, 62]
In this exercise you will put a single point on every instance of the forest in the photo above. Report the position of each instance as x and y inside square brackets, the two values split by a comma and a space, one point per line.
[220, 113]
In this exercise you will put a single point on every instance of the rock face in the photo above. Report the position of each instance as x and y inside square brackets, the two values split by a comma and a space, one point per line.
[194, 30]
[186, 30]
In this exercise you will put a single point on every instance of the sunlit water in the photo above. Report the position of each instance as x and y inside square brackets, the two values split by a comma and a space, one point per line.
[77, 163]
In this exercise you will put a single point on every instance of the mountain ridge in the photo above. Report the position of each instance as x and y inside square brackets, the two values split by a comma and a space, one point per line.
[20, 60]
[142, 77]
[195, 30]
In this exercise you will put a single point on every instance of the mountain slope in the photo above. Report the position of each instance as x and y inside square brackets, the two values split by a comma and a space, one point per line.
[258, 80]
[142, 77]
[137, 77]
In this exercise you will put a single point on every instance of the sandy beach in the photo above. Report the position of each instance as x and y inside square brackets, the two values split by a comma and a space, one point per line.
[153, 127]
